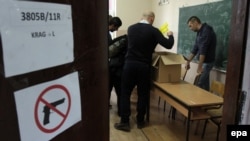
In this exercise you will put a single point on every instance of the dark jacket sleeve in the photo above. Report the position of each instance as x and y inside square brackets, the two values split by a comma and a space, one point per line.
[165, 42]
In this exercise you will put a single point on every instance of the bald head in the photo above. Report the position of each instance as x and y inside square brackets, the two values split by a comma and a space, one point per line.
[149, 16]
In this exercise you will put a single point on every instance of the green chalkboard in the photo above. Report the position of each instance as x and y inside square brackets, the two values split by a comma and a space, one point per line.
[216, 14]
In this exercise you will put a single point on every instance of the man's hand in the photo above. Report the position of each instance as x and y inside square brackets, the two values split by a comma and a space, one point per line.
[169, 33]
[201, 60]
[199, 69]
[187, 66]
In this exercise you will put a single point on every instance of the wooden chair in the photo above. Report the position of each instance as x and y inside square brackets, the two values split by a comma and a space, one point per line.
[215, 111]
[217, 88]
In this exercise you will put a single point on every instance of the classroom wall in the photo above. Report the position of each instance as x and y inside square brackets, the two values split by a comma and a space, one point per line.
[130, 12]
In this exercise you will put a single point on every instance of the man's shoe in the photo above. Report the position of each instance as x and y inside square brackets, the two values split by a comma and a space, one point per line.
[122, 126]
[141, 125]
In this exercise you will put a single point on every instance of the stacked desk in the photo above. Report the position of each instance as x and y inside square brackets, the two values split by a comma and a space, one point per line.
[187, 98]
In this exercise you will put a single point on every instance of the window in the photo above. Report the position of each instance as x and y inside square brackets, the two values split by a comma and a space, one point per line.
[112, 7]
[112, 12]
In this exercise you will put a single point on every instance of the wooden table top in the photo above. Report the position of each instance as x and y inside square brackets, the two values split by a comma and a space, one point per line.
[190, 94]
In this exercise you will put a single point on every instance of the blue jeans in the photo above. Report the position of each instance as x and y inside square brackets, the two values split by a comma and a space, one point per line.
[204, 78]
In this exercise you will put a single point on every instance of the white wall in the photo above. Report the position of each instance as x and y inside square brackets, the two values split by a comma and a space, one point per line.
[130, 12]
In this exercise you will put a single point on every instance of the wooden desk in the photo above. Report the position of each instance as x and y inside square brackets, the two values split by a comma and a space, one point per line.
[187, 99]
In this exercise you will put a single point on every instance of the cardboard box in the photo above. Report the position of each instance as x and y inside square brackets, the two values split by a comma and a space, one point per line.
[167, 66]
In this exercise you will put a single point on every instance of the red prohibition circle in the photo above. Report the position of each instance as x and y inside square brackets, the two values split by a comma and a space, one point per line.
[40, 99]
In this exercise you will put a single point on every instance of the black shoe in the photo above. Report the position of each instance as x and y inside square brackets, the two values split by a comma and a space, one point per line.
[141, 125]
[122, 126]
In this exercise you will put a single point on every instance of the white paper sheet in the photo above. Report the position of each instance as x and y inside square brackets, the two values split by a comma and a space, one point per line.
[59, 99]
[35, 35]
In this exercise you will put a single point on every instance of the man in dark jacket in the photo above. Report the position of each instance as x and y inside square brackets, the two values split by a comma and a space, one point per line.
[117, 51]
[114, 24]
[142, 40]
[204, 48]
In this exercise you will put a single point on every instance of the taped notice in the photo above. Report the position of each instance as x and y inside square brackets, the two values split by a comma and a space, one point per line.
[35, 36]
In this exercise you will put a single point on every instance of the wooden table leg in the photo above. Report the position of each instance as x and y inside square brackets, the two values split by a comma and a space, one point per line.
[188, 124]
